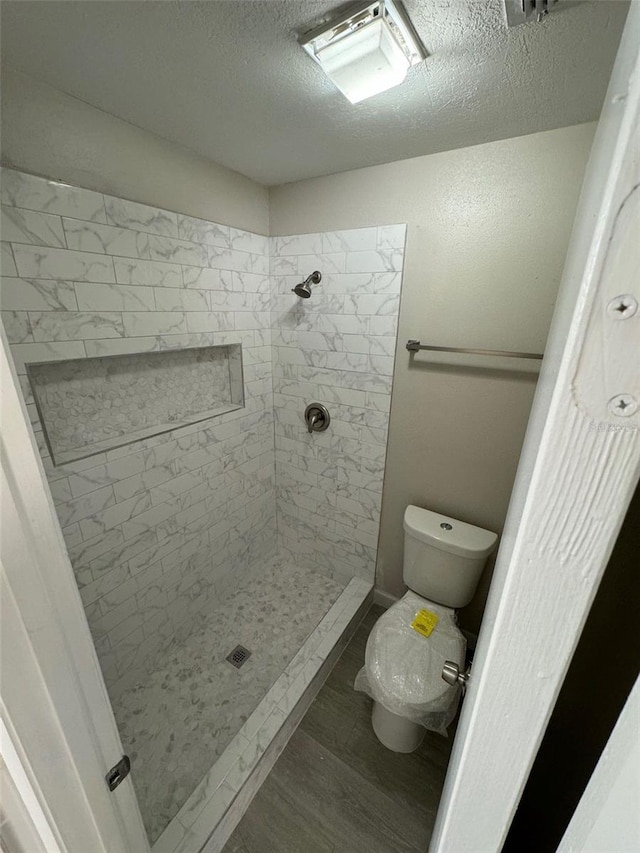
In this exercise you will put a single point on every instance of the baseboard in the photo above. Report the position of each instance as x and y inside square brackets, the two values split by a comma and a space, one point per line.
[384, 599]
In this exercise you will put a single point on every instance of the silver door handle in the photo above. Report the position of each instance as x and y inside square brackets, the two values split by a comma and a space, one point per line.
[452, 675]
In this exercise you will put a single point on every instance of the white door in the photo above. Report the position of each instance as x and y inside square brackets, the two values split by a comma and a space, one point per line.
[578, 470]
[575, 480]
[58, 734]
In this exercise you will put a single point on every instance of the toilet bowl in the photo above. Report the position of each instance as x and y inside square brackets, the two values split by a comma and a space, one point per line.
[395, 732]
[402, 671]
[443, 561]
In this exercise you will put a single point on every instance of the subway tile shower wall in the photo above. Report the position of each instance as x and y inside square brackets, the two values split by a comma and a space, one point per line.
[163, 529]
[336, 348]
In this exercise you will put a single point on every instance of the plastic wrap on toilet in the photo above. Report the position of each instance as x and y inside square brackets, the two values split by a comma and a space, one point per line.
[403, 670]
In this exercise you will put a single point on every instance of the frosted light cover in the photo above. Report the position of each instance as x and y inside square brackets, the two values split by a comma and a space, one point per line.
[367, 61]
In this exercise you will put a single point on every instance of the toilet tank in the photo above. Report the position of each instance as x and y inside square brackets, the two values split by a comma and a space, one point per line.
[444, 557]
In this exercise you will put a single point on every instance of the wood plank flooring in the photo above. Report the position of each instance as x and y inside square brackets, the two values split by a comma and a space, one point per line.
[336, 789]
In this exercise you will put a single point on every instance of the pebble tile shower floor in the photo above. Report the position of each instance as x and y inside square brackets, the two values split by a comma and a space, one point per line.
[178, 722]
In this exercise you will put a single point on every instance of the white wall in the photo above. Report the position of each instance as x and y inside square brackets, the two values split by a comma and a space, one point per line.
[49, 133]
[487, 236]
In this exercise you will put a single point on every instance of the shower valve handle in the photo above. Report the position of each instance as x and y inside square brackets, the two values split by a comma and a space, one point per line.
[316, 417]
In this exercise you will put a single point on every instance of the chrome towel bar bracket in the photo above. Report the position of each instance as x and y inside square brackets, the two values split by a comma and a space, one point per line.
[415, 346]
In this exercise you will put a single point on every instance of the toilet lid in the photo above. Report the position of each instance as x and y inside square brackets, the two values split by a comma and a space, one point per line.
[405, 666]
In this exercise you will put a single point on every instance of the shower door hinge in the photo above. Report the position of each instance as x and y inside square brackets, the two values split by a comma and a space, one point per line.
[118, 772]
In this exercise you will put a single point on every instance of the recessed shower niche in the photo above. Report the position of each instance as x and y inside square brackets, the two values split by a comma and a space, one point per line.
[88, 405]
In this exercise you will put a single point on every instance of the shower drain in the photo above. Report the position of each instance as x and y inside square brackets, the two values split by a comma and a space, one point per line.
[238, 656]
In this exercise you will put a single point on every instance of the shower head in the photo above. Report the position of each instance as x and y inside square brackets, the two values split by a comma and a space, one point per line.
[304, 288]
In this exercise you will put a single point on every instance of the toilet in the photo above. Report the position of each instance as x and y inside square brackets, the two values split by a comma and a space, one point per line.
[443, 561]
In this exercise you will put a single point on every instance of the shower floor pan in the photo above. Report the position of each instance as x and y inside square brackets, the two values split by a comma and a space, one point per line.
[201, 733]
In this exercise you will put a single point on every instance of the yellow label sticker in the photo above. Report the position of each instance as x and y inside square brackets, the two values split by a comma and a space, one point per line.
[425, 622]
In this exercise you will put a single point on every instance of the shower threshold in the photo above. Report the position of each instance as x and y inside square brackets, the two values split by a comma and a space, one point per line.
[200, 707]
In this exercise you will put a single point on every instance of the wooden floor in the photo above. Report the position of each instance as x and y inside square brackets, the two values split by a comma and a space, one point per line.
[336, 789]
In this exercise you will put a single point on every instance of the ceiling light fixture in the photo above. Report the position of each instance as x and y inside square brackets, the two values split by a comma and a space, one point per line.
[368, 50]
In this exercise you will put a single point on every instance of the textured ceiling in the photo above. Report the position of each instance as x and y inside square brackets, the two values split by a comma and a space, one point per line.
[227, 79]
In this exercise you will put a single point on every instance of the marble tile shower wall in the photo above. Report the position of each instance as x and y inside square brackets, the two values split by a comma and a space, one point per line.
[336, 348]
[159, 529]
[162, 528]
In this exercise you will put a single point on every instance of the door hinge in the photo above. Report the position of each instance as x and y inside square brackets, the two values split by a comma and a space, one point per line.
[118, 772]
